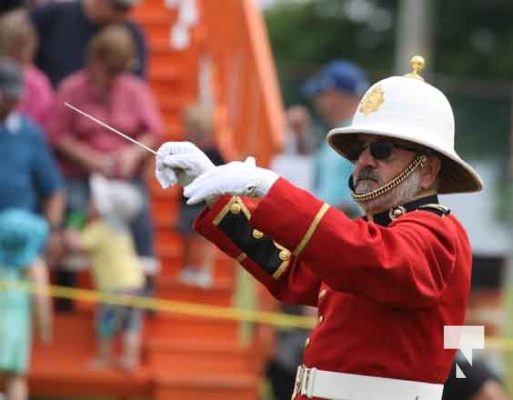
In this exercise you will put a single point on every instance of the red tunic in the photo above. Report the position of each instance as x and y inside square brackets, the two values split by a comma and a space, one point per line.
[384, 293]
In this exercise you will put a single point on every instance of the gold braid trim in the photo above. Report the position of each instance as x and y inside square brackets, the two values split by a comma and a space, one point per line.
[311, 229]
[363, 198]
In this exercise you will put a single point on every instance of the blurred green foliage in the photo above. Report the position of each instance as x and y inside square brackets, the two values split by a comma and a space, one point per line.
[482, 126]
[471, 61]
[473, 38]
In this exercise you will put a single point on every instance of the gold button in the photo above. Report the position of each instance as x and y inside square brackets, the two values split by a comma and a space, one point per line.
[307, 342]
[322, 293]
[235, 208]
[320, 319]
[284, 255]
[257, 234]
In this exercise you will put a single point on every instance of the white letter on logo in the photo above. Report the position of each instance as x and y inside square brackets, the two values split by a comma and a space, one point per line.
[464, 338]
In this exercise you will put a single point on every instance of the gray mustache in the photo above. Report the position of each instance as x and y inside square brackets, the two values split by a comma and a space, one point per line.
[368, 173]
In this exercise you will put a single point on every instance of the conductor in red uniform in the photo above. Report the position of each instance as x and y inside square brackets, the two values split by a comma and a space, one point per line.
[386, 284]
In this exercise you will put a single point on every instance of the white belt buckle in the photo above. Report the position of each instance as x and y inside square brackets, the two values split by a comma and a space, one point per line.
[299, 381]
[308, 382]
[304, 383]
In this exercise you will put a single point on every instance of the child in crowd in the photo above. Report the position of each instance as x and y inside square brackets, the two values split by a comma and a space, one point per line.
[23, 237]
[107, 241]
[198, 257]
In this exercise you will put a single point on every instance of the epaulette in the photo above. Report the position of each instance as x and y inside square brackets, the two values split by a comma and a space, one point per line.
[438, 209]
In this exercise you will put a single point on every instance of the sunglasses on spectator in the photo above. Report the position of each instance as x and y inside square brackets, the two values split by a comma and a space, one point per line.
[380, 149]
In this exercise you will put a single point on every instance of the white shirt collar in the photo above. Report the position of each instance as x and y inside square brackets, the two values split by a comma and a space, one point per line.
[12, 123]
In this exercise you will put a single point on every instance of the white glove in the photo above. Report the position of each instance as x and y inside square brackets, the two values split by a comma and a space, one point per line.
[236, 178]
[180, 162]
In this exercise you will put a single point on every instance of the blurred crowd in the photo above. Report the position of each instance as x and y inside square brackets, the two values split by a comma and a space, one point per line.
[86, 185]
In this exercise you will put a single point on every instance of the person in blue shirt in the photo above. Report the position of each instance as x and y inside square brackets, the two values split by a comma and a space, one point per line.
[22, 237]
[65, 28]
[335, 91]
[30, 177]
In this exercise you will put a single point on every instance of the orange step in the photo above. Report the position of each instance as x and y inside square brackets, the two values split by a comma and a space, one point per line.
[167, 238]
[185, 328]
[74, 382]
[193, 359]
[171, 263]
[62, 367]
[205, 387]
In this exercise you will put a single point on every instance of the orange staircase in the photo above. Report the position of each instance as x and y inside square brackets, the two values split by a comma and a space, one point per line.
[185, 357]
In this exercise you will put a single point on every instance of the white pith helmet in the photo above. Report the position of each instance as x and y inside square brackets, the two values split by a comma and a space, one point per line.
[409, 109]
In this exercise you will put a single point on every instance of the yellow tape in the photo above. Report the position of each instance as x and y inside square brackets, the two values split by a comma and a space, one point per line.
[199, 310]
[179, 307]
[494, 342]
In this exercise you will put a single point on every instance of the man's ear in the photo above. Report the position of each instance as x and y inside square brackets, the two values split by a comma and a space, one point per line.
[429, 172]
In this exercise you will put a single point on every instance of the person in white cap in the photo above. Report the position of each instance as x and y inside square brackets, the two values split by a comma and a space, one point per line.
[386, 284]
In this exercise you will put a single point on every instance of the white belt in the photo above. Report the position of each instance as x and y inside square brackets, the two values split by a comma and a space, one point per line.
[312, 382]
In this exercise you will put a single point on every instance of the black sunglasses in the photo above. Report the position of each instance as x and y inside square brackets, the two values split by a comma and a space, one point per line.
[380, 149]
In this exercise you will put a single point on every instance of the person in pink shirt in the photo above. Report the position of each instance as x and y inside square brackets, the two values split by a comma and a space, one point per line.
[37, 98]
[107, 90]
[18, 40]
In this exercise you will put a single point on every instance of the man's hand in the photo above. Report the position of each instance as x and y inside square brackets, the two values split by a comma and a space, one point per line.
[180, 162]
[236, 178]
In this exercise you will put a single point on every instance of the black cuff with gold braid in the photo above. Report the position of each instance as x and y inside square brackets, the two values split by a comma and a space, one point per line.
[233, 220]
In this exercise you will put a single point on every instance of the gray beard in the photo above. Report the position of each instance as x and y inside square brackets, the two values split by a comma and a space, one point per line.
[401, 194]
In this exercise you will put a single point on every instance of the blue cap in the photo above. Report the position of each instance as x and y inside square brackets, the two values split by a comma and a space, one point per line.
[22, 238]
[339, 75]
